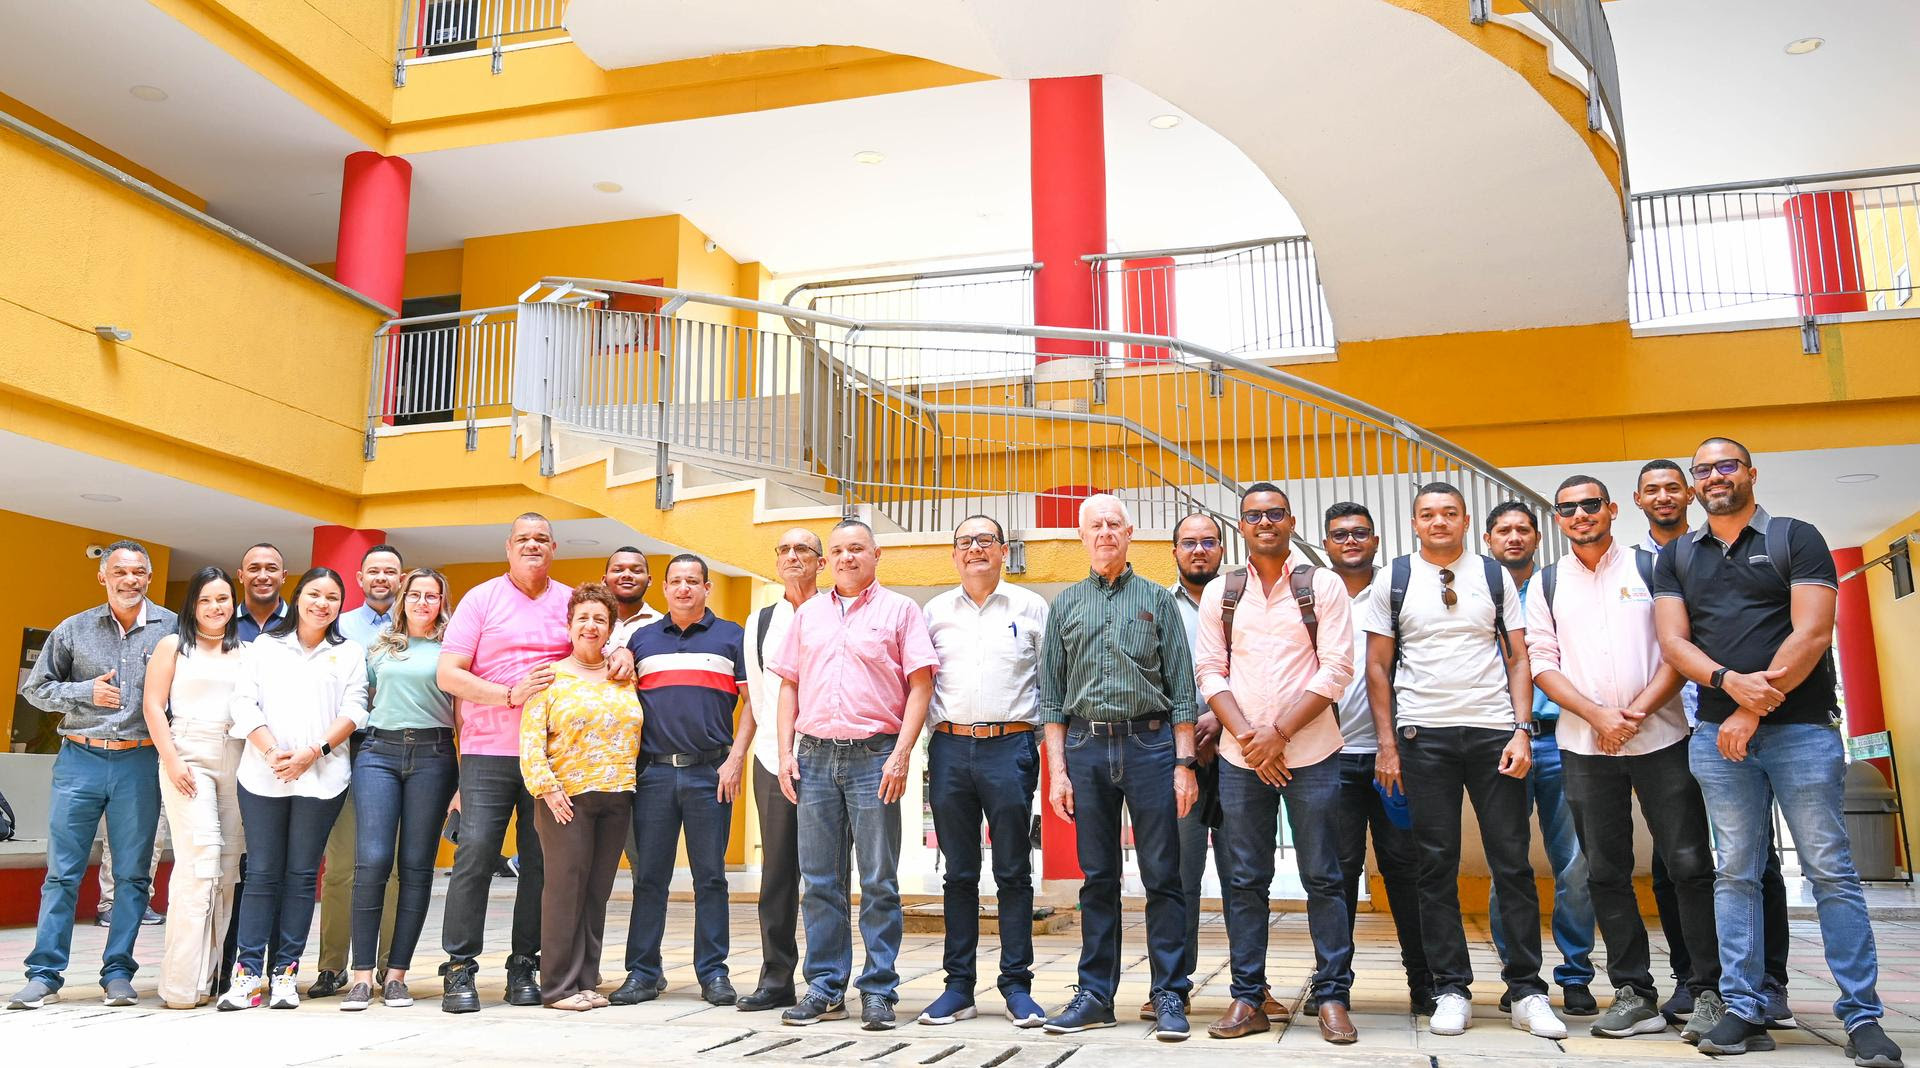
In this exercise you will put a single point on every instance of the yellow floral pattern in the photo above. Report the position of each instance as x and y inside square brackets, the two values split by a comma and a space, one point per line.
[581, 735]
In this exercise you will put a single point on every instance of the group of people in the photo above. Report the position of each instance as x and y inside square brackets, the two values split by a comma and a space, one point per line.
[1362, 701]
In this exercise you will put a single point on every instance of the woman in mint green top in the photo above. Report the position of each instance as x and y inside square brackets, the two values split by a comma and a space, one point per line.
[403, 778]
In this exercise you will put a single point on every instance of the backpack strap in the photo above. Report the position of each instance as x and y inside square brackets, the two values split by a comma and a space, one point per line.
[1302, 579]
[1643, 560]
[1780, 547]
[760, 628]
[1549, 579]
[1683, 548]
[1498, 590]
[1397, 580]
[1230, 593]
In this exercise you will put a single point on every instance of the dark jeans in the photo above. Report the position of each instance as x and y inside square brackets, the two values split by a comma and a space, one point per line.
[400, 794]
[1195, 836]
[1773, 909]
[124, 785]
[665, 800]
[1573, 923]
[1359, 810]
[1136, 771]
[285, 838]
[1437, 765]
[1601, 790]
[971, 779]
[491, 793]
[779, 908]
[1252, 810]
[582, 857]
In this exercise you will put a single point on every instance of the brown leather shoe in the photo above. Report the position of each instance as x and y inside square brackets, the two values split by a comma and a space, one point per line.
[1274, 1010]
[1334, 1025]
[1241, 1019]
[1146, 1011]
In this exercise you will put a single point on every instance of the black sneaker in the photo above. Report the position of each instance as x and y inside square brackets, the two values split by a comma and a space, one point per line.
[813, 1008]
[460, 996]
[1169, 1017]
[1733, 1036]
[1679, 1006]
[876, 1013]
[1577, 1000]
[1085, 1012]
[719, 991]
[634, 991]
[1870, 1047]
[523, 985]
[327, 984]
[1506, 1002]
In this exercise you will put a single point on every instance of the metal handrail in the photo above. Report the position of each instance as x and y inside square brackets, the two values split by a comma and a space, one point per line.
[1581, 25]
[491, 22]
[1190, 250]
[1262, 295]
[1828, 178]
[911, 276]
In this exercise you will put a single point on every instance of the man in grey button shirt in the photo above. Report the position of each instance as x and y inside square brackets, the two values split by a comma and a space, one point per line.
[92, 671]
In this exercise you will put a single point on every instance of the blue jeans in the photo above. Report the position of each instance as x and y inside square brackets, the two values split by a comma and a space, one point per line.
[1573, 921]
[665, 799]
[400, 795]
[1109, 771]
[1800, 766]
[992, 779]
[285, 838]
[125, 786]
[840, 800]
[1358, 811]
[1252, 809]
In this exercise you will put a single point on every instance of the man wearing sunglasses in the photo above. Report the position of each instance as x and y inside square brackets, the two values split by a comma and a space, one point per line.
[1754, 631]
[983, 763]
[1446, 653]
[1591, 638]
[1513, 538]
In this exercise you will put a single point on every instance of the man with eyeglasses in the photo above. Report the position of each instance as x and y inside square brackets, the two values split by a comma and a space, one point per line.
[1351, 543]
[1276, 650]
[1591, 640]
[983, 763]
[1745, 607]
[1513, 537]
[1446, 652]
[1663, 494]
[1117, 696]
[796, 559]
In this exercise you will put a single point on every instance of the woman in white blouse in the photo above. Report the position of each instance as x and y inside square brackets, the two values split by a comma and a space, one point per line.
[302, 693]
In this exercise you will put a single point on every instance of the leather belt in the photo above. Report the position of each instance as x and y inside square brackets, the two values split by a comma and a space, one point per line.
[872, 742]
[410, 735]
[688, 760]
[982, 730]
[1118, 728]
[1543, 728]
[112, 745]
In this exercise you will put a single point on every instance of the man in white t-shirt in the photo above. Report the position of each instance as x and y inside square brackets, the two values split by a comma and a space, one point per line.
[797, 558]
[1447, 653]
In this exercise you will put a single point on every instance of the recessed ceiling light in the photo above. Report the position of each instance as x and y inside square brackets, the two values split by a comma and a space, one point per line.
[1856, 478]
[869, 156]
[152, 94]
[608, 187]
[1164, 122]
[1805, 45]
[102, 498]
[581, 541]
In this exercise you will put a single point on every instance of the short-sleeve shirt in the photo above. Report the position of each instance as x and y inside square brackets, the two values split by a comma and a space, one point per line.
[1450, 673]
[1741, 613]
[406, 688]
[508, 635]
[763, 686]
[580, 735]
[851, 657]
[1357, 732]
[250, 629]
[690, 682]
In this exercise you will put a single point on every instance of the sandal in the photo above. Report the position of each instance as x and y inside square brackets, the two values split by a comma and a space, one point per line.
[572, 1003]
[595, 998]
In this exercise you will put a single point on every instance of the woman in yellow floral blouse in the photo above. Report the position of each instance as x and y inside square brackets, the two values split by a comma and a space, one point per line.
[579, 741]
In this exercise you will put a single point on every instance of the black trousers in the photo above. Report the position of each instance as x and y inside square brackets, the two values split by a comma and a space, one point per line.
[779, 881]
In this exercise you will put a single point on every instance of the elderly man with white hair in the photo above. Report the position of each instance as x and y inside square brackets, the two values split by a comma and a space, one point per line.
[1117, 699]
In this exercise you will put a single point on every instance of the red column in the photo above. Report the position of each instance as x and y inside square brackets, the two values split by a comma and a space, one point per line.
[1147, 286]
[341, 548]
[1826, 252]
[371, 255]
[1859, 660]
[1069, 172]
[1059, 852]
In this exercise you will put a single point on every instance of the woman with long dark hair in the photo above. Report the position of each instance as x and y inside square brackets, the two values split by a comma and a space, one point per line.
[402, 780]
[188, 704]
[302, 693]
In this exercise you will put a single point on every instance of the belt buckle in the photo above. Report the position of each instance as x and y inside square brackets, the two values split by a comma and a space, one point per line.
[681, 760]
[845, 743]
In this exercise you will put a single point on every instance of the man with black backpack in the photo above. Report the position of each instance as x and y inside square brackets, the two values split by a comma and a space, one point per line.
[1447, 652]
[1745, 607]
[1591, 639]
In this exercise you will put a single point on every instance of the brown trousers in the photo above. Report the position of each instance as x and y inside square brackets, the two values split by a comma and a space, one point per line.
[582, 857]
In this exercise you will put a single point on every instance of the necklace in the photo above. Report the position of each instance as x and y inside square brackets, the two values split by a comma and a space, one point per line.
[590, 665]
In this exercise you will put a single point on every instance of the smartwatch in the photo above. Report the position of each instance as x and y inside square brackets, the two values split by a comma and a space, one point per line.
[325, 747]
[1718, 675]
[1187, 762]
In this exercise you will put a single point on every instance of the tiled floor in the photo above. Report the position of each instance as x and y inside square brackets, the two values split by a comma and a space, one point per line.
[680, 1029]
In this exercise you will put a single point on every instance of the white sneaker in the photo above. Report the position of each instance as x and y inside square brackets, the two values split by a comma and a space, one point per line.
[1452, 1015]
[285, 994]
[1535, 1013]
[243, 992]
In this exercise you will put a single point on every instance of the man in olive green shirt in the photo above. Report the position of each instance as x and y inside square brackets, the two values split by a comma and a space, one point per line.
[1117, 698]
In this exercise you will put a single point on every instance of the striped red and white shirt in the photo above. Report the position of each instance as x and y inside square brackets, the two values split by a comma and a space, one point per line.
[690, 683]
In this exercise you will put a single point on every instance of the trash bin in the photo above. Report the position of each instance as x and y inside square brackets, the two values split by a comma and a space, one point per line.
[1870, 809]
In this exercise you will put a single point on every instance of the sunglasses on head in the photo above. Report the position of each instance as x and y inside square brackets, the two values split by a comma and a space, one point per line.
[1447, 596]
[1591, 506]
[1724, 467]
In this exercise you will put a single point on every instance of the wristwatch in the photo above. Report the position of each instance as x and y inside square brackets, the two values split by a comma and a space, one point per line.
[1187, 762]
[1718, 675]
[325, 747]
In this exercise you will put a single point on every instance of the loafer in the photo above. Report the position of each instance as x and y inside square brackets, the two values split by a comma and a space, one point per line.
[1335, 1026]
[1170, 1017]
[34, 995]
[634, 991]
[1274, 1010]
[119, 992]
[763, 999]
[1024, 1011]
[1577, 1000]
[1870, 1047]
[813, 1008]
[358, 998]
[1085, 1012]
[876, 1013]
[523, 984]
[460, 995]
[952, 1006]
[718, 991]
[327, 984]
[1239, 1021]
[1733, 1036]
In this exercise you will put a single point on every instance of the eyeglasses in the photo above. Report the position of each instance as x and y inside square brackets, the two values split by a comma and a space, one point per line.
[795, 550]
[1355, 534]
[1447, 596]
[417, 597]
[969, 541]
[1724, 467]
[1271, 515]
[1188, 545]
[1591, 506]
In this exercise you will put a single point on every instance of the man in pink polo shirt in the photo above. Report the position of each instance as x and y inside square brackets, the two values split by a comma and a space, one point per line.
[857, 676]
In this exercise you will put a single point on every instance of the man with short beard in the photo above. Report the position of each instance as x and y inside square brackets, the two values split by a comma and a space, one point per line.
[262, 572]
[628, 578]
[1745, 607]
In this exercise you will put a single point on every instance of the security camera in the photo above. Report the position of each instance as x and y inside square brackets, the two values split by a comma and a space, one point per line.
[95, 552]
[712, 245]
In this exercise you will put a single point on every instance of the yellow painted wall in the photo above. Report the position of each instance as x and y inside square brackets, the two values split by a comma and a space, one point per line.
[62, 582]
[1889, 239]
[1896, 638]
[496, 269]
[428, 274]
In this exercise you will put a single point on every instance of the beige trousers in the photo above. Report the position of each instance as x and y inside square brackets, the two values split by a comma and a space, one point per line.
[207, 845]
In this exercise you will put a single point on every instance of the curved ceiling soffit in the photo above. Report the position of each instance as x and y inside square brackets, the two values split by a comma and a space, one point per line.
[1443, 192]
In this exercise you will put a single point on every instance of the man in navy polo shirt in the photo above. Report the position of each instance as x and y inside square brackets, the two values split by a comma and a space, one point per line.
[691, 668]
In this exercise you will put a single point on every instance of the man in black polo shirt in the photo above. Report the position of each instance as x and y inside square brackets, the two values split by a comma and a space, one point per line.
[1744, 607]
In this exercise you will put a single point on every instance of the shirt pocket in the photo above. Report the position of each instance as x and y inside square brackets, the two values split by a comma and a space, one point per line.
[1139, 640]
[871, 641]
